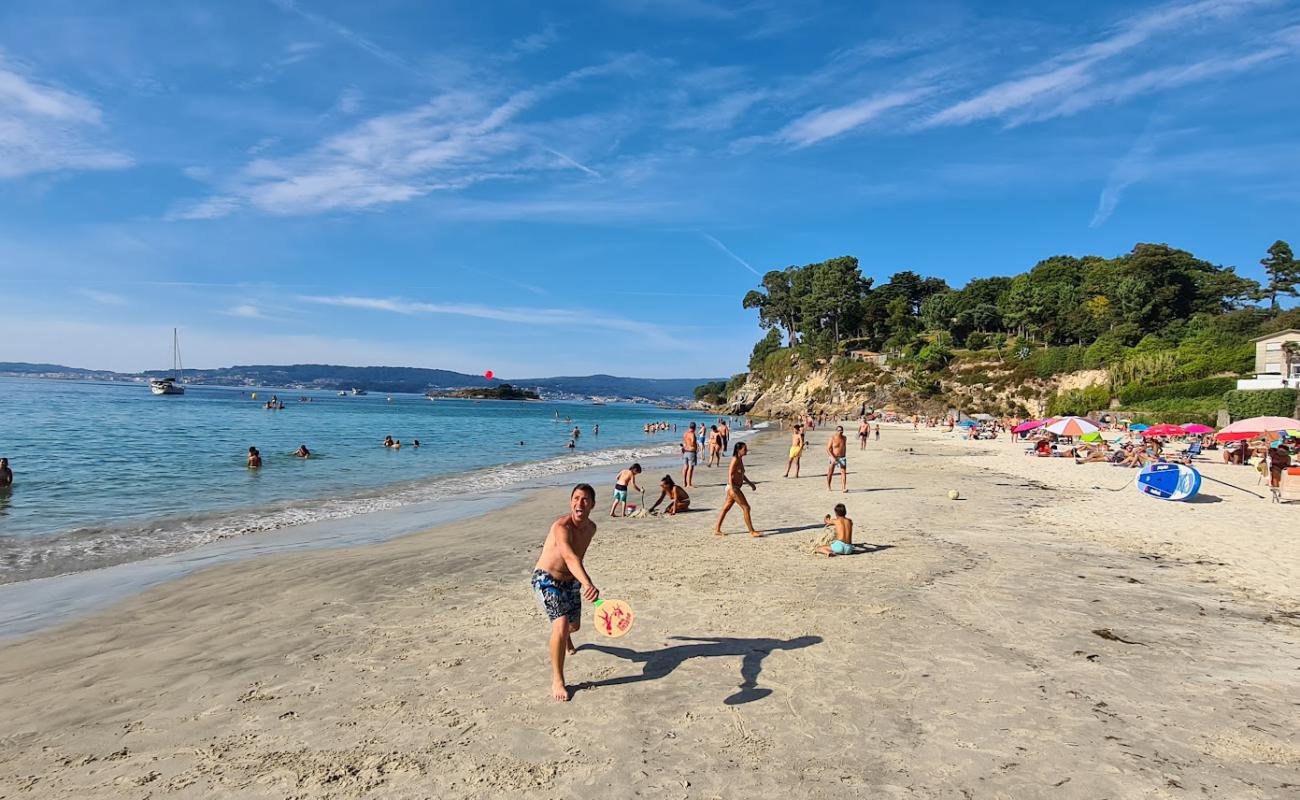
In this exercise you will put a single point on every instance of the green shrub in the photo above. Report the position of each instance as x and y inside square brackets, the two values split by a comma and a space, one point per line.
[714, 389]
[1106, 350]
[1243, 404]
[979, 341]
[1079, 401]
[1138, 394]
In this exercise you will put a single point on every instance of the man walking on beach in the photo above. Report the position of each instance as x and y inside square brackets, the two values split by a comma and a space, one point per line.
[690, 457]
[735, 482]
[797, 443]
[864, 429]
[837, 449]
[725, 431]
[560, 581]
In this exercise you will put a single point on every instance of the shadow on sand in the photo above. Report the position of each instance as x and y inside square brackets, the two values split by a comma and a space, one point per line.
[659, 663]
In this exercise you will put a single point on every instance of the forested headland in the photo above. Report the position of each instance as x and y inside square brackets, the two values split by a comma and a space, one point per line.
[1163, 331]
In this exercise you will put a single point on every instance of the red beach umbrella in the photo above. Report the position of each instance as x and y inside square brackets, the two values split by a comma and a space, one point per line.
[1255, 426]
[1196, 427]
[1029, 426]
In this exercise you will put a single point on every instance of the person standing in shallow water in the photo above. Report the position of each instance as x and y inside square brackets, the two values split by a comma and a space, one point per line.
[6, 474]
[560, 581]
[736, 481]
[254, 458]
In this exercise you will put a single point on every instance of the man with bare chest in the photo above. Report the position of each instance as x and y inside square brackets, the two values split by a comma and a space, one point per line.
[560, 582]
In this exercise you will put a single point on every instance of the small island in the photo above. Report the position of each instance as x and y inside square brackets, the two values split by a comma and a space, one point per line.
[503, 392]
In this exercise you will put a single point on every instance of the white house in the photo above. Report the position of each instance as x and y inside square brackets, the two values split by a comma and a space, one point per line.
[1271, 367]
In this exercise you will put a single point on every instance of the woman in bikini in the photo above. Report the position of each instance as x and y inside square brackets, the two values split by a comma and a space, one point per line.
[735, 497]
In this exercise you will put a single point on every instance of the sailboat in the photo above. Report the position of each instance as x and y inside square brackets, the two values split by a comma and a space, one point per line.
[172, 383]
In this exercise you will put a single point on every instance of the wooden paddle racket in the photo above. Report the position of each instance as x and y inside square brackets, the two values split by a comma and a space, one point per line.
[613, 618]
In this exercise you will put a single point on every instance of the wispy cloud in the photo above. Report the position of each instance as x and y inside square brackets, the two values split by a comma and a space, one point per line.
[573, 163]
[534, 42]
[742, 262]
[104, 298]
[826, 123]
[720, 114]
[1133, 167]
[44, 128]
[456, 140]
[1055, 81]
[348, 35]
[245, 311]
[549, 317]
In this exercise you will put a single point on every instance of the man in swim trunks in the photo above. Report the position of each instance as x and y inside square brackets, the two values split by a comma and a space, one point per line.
[678, 499]
[6, 474]
[864, 430]
[837, 449]
[797, 443]
[843, 543]
[725, 430]
[560, 581]
[735, 482]
[625, 478]
[690, 457]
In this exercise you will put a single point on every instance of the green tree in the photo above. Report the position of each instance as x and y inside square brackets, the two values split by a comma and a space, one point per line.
[765, 347]
[831, 307]
[779, 305]
[1283, 273]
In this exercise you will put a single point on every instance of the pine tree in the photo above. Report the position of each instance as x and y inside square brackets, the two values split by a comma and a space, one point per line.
[1283, 273]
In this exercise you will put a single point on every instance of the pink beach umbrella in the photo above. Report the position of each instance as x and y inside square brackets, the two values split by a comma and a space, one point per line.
[1029, 426]
[1165, 430]
[1196, 427]
[1072, 426]
[1255, 426]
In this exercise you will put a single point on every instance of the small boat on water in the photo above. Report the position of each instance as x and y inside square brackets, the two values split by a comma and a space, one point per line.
[358, 392]
[172, 383]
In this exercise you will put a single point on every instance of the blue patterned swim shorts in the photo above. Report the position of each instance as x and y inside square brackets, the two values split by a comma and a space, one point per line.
[558, 598]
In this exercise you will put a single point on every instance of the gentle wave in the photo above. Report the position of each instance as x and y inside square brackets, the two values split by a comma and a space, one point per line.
[30, 557]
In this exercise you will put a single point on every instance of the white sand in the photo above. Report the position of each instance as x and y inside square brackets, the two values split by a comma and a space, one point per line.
[962, 659]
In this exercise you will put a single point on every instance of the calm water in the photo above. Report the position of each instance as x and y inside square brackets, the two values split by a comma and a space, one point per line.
[107, 473]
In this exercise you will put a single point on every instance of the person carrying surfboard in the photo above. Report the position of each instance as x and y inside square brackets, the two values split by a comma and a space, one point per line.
[560, 581]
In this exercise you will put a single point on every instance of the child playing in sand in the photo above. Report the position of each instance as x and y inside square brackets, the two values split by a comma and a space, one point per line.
[625, 479]
[560, 581]
[842, 545]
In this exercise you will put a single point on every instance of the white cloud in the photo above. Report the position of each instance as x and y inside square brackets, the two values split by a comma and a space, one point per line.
[1133, 167]
[720, 114]
[1057, 80]
[105, 298]
[742, 262]
[44, 128]
[830, 122]
[549, 317]
[453, 141]
[245, 311]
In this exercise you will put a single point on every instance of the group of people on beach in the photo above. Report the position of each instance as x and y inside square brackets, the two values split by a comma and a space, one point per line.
[560, 581]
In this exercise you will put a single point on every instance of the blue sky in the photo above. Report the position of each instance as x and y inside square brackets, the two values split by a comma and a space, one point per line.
[572, 187]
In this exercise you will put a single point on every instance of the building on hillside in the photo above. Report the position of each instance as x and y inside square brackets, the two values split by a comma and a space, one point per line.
[1274, 367]
[868, 355]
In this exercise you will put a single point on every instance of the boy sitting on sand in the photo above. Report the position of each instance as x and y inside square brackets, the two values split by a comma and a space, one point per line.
[560, 581]
[842, 544]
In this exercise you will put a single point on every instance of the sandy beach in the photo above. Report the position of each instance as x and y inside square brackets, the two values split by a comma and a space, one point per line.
[1037, 638]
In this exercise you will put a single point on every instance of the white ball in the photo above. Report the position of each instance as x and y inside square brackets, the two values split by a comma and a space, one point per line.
[953, 494]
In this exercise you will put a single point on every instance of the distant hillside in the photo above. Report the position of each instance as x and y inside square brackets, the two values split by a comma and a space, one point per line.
[381, 379]
[611, 385]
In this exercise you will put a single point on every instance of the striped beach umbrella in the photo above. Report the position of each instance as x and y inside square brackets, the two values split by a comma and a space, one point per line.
[1072, 426]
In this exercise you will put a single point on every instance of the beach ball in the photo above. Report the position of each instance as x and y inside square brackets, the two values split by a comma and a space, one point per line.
[488, 374]
[953, 494]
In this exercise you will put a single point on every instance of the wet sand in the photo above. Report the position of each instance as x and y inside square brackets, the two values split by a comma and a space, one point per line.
[1038, 638]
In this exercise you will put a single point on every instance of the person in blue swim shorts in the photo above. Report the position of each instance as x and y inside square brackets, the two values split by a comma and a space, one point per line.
[560, 581]
[842, 544]
[625, 479]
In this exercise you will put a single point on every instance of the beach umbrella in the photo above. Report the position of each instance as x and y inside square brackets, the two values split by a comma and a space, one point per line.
[1139, 427]
[1165, 430]
[1255, 426]
[1028, 426]
[1196, 427]
[967, 423]
[1072, 426]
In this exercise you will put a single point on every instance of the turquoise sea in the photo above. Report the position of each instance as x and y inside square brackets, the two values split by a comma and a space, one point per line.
[108, 473]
